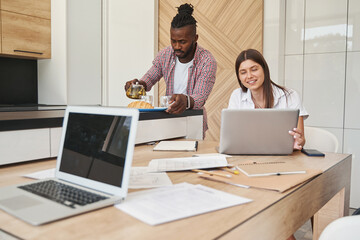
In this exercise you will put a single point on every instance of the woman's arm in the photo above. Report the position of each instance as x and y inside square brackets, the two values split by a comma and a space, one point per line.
[299, 135]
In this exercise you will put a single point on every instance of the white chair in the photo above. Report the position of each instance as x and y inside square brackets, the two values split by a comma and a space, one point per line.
[320, 139]
[342, 228]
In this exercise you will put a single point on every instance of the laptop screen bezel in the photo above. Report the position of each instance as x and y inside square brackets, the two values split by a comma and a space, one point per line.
[92, 184]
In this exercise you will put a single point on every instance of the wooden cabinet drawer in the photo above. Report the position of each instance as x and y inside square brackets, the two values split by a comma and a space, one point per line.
[24, 35]
[36, 8]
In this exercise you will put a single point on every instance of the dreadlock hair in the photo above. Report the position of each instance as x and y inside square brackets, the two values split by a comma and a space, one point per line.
[256, 56]
[184, 17]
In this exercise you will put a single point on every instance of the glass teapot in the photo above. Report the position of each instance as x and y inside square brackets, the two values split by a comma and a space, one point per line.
[135, 91]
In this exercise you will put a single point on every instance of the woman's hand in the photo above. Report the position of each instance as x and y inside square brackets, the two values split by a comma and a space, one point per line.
[299, 139]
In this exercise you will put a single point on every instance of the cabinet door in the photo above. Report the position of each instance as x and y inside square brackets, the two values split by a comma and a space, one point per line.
[36, 8]
[24, 145]
[55, 138]
[26, 36]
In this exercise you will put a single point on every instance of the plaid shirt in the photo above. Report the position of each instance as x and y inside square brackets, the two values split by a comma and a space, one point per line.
[201, 75]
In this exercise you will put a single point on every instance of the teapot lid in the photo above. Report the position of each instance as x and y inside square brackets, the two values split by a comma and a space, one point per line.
[137, 85]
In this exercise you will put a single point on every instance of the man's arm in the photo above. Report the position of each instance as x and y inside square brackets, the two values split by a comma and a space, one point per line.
[204, 81]
[155, 73]
[179, 103]
[152, 76]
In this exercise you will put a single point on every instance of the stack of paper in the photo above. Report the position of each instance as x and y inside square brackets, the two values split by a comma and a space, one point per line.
[179, 201]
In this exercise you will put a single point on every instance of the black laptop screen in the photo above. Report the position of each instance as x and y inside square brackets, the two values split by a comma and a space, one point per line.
[95, 147]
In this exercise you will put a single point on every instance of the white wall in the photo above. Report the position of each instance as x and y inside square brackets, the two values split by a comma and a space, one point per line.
[128, 43]
[274, 32]
[322, 55]
[84, 53]
[52, 73]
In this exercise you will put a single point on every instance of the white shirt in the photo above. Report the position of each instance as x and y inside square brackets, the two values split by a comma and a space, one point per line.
[181, 76]
[243, 100]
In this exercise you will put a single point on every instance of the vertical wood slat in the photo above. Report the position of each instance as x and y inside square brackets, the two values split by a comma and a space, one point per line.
[225, 28]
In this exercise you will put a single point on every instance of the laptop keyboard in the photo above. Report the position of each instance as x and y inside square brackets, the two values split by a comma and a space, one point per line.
[62, 193]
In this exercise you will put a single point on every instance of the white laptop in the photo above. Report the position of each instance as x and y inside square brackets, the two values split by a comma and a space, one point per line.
[257, 131]
[94, 160]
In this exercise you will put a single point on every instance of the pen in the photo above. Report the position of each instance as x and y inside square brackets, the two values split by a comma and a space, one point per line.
[212, 173]
[236, 172]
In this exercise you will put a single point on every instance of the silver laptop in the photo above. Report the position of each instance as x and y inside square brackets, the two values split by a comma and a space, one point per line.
[92, 170]
[257, 131]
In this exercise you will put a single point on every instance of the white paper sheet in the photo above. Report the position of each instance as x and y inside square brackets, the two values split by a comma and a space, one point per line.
[188, 163]
[189, 146]
[211, 155]
[179, 201]
[139, 177]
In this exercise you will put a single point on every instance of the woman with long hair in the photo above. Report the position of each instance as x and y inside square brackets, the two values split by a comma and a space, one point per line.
[257, 90]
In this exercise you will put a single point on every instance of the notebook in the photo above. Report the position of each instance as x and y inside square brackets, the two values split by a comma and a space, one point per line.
[92, 169]
[177, 146]
[257, 131]
[262, 169]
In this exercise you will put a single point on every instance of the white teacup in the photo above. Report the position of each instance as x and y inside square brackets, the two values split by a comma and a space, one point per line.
[148, 99]
[164, 101]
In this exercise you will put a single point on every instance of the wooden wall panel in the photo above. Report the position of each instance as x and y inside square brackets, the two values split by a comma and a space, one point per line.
[225, 28]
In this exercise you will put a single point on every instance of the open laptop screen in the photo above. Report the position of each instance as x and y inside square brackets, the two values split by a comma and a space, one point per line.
[95, 147]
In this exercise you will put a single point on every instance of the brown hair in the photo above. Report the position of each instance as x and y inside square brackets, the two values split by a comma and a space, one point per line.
[256, 56]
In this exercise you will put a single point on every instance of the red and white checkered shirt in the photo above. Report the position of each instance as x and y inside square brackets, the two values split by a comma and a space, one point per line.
[201, 75]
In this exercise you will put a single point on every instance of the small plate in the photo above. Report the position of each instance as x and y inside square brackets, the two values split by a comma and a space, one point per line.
[155, 109]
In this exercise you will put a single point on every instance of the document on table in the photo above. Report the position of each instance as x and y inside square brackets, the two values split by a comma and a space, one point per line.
[139, 177]
[211, 155]
[188, 163]
[161, 205]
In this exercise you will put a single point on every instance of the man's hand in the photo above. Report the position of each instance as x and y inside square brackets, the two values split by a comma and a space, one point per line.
[178, 103]
[134, 81]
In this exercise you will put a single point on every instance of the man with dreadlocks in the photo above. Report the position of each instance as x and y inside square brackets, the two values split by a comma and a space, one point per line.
[188, 69]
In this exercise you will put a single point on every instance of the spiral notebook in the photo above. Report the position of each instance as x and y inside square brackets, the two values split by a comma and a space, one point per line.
[258, 169]
[270, 175]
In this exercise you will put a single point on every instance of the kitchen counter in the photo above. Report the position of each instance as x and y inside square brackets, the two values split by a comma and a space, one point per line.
[157, 126]
[29, 132]
[19, 118]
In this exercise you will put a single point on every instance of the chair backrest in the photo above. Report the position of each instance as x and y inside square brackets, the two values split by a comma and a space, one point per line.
[342, 228]
[320, 139]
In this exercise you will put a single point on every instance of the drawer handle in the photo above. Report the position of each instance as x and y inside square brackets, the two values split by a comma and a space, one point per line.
[40, 53]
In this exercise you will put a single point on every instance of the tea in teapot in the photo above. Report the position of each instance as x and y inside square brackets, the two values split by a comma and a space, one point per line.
[135, 91]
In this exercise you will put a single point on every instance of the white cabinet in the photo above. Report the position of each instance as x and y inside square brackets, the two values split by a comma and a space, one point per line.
[26, 145]
[55, 137]
[84, 52]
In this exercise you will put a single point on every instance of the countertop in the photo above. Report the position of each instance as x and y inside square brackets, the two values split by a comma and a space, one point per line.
[31, 117]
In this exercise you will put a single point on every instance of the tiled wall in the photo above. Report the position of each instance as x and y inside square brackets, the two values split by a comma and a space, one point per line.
[322, 62]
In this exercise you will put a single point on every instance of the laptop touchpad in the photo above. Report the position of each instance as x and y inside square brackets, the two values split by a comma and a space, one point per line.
[19, 202]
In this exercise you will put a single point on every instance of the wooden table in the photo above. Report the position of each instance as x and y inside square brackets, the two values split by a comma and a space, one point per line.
[271, 215]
